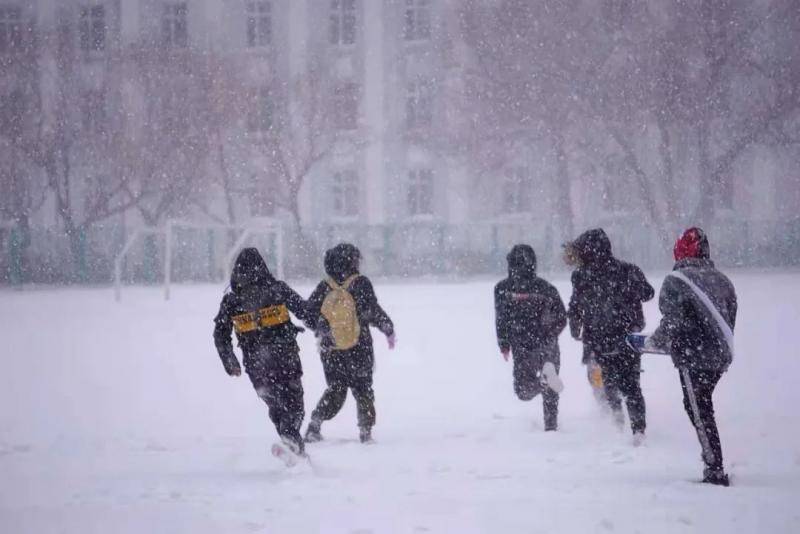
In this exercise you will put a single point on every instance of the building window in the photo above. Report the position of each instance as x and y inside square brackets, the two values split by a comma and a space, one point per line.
[346, 106]
[420, 192]
[259, 24]
[344, 193]
[10, 28]
[261, 118]
[417, 22]
[92, 28]
[419, 104]
[516, 191]
[175, 25]
[94, 112]
[343, 22]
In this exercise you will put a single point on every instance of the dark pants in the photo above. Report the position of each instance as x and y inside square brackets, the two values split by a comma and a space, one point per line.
[528, 365]
[284, 398]
[339, 379]
[621, 373]
[698, 388]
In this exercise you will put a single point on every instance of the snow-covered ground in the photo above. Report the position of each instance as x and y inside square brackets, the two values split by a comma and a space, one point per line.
[119, 418]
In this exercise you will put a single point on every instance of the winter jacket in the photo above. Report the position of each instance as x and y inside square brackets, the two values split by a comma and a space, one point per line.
[341, 262]
[688, 331]
[607, 295]
[258, 307]
[529, 312]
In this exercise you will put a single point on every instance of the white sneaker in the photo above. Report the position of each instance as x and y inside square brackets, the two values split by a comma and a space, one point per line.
[638, 439]
[551, 377]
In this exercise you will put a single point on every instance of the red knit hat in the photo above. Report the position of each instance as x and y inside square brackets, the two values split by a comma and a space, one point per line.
[692, 244]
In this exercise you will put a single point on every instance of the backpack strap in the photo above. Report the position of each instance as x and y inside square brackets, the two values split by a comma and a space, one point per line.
[345, 284]
[709, 305]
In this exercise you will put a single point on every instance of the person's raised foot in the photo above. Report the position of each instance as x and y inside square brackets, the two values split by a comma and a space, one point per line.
[313, 432]
[551, 378]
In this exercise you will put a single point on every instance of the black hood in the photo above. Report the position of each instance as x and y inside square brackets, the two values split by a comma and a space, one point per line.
[250, 269]
[592, 246]
[521, 261]
[342, 261]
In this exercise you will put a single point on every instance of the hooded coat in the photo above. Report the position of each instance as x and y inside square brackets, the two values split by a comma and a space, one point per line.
[341, 262]
[529, 312]
[607, 295]
[687, 330]
[254, 289]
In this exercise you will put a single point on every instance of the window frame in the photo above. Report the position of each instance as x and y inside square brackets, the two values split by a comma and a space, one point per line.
[92, 38]
[346, 105]
[261, 120]
[419, 104]
[175, 24]
[420, 192]
[10, 28]
[345, 190]
[417, 21]
[258, 24]
[342, 23]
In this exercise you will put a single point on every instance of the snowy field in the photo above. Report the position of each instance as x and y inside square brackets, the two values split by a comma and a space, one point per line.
[120, 418]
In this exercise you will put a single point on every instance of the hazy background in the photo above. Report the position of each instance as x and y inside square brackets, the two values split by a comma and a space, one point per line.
[432, 133]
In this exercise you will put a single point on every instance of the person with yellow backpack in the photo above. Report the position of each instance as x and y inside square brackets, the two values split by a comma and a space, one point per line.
[344, 306]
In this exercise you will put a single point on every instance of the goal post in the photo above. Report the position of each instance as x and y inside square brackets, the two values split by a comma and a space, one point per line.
[244, 232]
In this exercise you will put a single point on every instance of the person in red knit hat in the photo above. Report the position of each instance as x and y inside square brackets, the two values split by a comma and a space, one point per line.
[698, 305]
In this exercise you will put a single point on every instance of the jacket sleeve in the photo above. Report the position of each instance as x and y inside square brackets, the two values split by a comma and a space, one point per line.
[313, 307]
[367, 302]
[223, 326]
[641, 287]
[672, 316]
[576, 310]
[501, 319]
[296, 304]
[556, 313]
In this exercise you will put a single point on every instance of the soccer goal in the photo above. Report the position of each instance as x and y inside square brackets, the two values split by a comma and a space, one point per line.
[266, 233]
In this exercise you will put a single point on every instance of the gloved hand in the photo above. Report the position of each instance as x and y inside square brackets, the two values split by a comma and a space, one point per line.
[575, 332]
[392, 341]
[506, 352]
[232, 366]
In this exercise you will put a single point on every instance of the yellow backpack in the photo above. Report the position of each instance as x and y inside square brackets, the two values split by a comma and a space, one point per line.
[339, 309]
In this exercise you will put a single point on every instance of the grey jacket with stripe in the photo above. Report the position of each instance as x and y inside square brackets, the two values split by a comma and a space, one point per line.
[688, 330]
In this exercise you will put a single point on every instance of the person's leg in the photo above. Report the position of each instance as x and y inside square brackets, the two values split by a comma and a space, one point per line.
[630, 387]
[364, 395]
[526, 374]
[549, 395]
[290, 410]
[698, 389]
[330, 403]
[611, 374]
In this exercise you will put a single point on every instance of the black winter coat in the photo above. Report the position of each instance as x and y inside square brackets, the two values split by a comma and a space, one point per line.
[257, 306]
[607, 296]
[360, 359]
[529, 312]
[688, 331]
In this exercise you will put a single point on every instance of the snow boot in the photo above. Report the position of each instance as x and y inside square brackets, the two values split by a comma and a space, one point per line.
[638, 439]
[551, 378]
[365, 435]
[313, 434]
[716, 477]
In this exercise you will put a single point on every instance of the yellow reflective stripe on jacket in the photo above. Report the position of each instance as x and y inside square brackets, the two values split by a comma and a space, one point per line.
[263, 318]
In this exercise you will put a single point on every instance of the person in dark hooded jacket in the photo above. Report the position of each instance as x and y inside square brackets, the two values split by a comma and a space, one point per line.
[346, 296]
[529, 316]
[700, 346]
[257, 309]
[606, 306]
